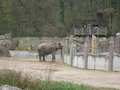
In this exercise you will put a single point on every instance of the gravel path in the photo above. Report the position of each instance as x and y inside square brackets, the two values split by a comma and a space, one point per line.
[62, 72]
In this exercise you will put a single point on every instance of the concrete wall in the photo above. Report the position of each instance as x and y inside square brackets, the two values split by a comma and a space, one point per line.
[116, 63]
[98, 62]
[32, 55]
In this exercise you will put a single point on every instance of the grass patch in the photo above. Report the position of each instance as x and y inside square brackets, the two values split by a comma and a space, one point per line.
[13, 78]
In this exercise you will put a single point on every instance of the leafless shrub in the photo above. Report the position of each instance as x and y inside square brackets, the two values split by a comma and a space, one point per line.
[49, 72]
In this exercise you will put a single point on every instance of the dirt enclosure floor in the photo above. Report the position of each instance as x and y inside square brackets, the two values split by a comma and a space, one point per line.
[62, 72]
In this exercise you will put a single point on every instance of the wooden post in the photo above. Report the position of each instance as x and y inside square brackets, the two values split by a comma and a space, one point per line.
[86, 52]
[75, 31]
[82, 31]
[66, 46]
[117, 44]
[94, 44]
[62, 53]
[53, 56]
[72, 51]
[105, 31]
[111, 54]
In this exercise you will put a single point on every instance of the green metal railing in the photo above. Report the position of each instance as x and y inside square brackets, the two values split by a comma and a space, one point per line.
[83, 32]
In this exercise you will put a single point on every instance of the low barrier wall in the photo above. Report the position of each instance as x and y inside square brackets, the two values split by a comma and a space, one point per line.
[97, 62]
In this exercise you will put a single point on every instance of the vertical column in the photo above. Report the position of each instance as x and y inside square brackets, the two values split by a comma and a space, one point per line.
[62, 53]
[72, 51]
[66, 49]
[94, 44]
[53, 56]
[86, 51]
[111, 54]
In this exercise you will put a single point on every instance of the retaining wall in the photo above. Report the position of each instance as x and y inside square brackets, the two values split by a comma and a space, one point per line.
[31, 43]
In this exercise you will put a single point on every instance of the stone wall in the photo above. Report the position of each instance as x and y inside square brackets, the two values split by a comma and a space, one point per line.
[7, 43]
[31, 43]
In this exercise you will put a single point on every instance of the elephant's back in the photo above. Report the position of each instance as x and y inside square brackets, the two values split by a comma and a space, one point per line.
[46, 48]
[46, 45]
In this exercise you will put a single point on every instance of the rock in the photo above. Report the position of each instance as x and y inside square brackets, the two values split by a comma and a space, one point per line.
[8, 36]
[2, 37]
[118, 34]
[7, 43]
[8, 87]
[14, 43]
[4, 51]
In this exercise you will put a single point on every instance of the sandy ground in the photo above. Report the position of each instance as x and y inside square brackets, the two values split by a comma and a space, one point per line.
[62, 72]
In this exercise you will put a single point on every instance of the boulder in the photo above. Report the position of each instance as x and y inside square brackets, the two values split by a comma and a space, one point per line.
[8, 87]
[2, 37]
[14, 43]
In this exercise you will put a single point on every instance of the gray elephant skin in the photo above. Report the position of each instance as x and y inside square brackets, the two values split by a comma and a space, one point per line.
[47, 48]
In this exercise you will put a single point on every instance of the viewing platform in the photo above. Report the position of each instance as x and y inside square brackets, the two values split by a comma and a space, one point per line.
[101, 31]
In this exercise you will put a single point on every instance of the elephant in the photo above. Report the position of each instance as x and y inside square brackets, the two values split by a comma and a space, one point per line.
[47, 48]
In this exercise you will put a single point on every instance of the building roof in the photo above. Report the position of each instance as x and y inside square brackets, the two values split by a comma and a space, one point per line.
[107, 10]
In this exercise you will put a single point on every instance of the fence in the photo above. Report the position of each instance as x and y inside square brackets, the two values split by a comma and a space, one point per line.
[95, 53]
[82, 32]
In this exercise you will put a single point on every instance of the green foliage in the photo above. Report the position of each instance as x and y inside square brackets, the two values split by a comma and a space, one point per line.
[116, 16]
[115, 25]
[115, 3]
[58, 17]
[7, 19]
[62, 10]
[9, 77]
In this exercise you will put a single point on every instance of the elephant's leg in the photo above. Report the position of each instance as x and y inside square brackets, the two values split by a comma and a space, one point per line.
[53, 56]
[44, 58]
[39, 56]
